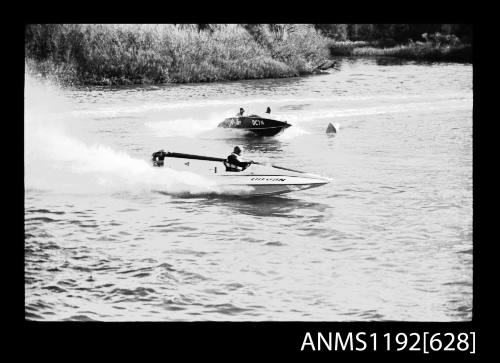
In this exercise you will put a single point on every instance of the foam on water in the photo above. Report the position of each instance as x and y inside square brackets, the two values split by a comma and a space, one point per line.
[292, 132]
[299, 118]
[55, 160]
[254, 103]
[188, 127]
[313, 115]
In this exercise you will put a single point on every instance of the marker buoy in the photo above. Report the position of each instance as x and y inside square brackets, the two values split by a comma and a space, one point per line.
[332, 128]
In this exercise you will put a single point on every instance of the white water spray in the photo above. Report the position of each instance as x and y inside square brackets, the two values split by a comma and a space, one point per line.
[56, 160]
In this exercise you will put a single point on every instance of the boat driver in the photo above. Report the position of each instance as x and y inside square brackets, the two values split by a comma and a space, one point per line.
[158, 157]
[242, 111]
[234, 162]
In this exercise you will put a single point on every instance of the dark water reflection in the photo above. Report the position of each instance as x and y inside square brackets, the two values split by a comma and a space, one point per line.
[391, 61]
[265, 206]
[252, 144]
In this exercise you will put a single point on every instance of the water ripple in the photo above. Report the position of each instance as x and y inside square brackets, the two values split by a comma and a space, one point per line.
[397, 218]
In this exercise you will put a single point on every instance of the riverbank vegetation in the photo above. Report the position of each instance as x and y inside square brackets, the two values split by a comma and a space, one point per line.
[127, 54]
[431, 42]
[169, 53]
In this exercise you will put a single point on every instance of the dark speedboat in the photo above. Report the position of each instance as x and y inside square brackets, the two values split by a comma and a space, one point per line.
[255, 124]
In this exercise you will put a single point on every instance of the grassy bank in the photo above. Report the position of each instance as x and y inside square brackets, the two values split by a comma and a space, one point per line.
[435, 47]
[132, 54]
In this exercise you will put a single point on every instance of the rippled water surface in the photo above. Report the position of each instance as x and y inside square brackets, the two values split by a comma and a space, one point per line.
[108, 237]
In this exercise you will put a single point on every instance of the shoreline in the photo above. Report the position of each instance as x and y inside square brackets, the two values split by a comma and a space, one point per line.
[424, 51]
[57, 72]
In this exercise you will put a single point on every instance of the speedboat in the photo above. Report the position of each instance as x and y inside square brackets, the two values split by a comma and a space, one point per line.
[256, 180]
[255, 124]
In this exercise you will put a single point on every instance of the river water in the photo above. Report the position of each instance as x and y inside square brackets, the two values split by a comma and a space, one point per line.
[109, 237]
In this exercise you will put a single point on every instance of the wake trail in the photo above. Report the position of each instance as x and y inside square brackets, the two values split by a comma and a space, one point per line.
[57, 161]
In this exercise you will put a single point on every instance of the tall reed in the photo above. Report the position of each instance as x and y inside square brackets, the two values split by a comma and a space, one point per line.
[125, 54]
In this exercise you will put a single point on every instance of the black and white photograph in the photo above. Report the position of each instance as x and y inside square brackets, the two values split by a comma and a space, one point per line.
[248, 172]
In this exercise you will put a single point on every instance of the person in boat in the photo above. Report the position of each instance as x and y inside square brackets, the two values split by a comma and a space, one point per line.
[268, 111]
[234, 161]
[158, 157]
[242, 111]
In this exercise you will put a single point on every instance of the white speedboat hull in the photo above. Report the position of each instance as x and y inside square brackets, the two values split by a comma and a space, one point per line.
[269, 184]
[256, 180]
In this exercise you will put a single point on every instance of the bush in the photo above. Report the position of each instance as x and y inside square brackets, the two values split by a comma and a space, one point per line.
[345, 48]
[420, 50]
[124, 54]
[436, 47]
[438, 39]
